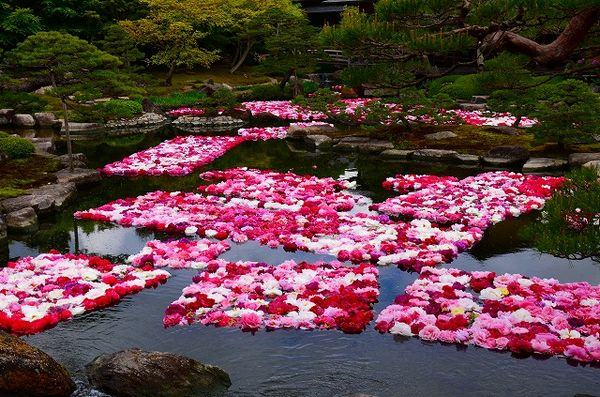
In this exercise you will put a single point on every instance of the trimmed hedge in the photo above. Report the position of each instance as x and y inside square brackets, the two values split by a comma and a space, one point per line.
[16, 147]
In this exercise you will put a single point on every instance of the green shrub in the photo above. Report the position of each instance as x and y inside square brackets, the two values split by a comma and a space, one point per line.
[309, 87]
[22, 102]
[435, 86]
[179, 99]
[221, 98]
[120, 109]
[16, 147]
[463, 87]
[270, 92]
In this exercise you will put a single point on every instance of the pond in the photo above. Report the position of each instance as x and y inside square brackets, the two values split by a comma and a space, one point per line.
[292, 362]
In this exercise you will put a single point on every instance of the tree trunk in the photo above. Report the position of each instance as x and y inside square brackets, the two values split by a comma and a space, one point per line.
[243, 57]
[557, 51]
[68, 135]
[169, 79]
[517, 121]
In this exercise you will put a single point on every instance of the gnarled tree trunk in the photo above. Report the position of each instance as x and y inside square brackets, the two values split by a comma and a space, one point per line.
[557, 51]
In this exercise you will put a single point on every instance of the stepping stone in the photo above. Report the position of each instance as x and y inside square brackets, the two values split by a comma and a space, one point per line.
[318, 141]
[468, 159]
[79, 176]
[22, 220]
[544, 164]
[435, 155]
[438, 136]
[582, 158]
[397, 154]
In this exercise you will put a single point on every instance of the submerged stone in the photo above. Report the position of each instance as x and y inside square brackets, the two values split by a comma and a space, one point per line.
[137, 373]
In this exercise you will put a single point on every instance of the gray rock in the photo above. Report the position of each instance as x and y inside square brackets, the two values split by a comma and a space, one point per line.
[318, 141]
[435, 155]
[582, 158]
[59, 193]
[226, 122]
[136, 373]
[363, 145]
[480, 98]
[79, 160]
[595, 165]
[438, 136]
[472, 106]
[298, 130]
[81, 127]
[144, 120]
[28, 371]
[397, 154]
[40, 203]
[79, 176]
[468, 159]
[22, 220]
[544, 164]
[507, 155]
[6, 116]
[43, 90]
[42, 145]
[41, 199]
[46, 119]
[23, 120]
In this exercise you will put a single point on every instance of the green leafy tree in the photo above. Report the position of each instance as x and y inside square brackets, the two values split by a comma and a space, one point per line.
[67, 61]
[568, 112]
[16, 24]
[119, 43]
[433, 38]
[174, 30]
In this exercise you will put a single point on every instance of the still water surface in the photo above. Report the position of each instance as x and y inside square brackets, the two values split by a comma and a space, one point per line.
[300, 363]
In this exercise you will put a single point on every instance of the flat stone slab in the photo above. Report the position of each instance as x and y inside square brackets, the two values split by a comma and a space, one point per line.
[298, 130]
[435, 155]
[468, 159]
[544, 164]
[499, 161]
[79, 176]
[438, 136]
[60, 193]
[582, 158]
[81, 127]
[397, 154]
[22, 220]
[363, 145]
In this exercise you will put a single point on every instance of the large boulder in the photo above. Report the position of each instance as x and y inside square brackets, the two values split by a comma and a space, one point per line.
[136, 373]
[46, 120]
[22, 220]
[507, 156]
[79, 176]
[318, 141]
[6, 116]
[300, 130]
[363, 145]
[577, 159]
[24, 120]
[535, 164]
[29, 372]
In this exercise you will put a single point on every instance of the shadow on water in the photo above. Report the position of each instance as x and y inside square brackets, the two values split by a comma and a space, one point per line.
[298, 363]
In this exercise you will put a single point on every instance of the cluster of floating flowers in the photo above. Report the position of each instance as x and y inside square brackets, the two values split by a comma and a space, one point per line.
[263, 133]
[357, 237]
[478, 118]
[176, 157]
[503, 312]
[357, 109]
[179, 254]
[277, 190]
[38, 293]
[409, 182]
[477, 201]
[186, 111]
[252, 296]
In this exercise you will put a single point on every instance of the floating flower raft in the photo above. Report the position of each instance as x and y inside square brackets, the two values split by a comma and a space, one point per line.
[503, 312]
[176, 157]
[252, 296]
[357, 237]
[179, 254]
[409, 182]
[276, 190]
[477, 201]
[38, 293]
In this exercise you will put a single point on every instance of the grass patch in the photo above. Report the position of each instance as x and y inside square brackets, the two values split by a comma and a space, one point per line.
[16, 176]
[178, 99]
[10, 192]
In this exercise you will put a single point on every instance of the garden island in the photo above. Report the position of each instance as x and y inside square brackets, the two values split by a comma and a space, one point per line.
[299, 198]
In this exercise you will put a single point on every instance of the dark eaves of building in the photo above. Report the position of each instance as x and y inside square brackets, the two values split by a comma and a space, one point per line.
[321, 12]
